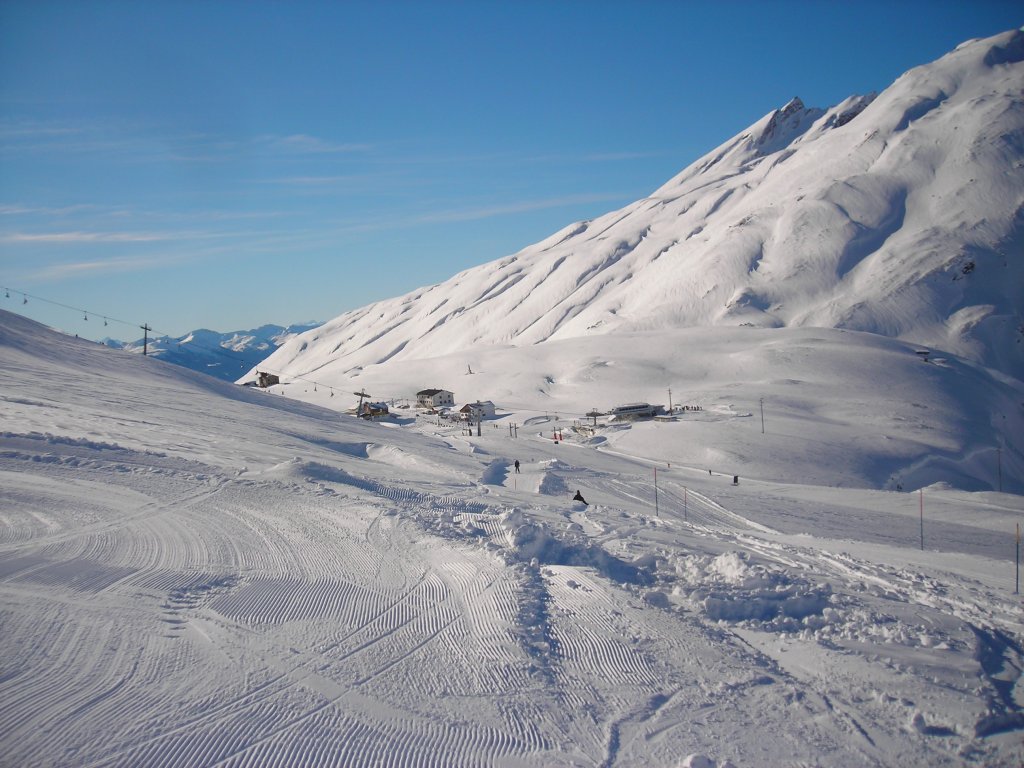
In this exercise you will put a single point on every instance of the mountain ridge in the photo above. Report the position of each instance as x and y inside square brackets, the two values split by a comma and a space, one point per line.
[221, 355]
[891, 214]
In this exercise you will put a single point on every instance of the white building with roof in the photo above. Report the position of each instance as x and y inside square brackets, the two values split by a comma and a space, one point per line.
[435, 398]
[482, 409]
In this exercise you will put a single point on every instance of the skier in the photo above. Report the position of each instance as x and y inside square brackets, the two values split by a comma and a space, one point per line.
[517, 466]
[579, 497]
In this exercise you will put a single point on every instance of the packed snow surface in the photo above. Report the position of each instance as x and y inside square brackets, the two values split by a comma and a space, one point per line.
[197, 574]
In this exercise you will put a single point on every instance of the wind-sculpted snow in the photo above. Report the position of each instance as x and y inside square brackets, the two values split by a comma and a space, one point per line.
[898, 214]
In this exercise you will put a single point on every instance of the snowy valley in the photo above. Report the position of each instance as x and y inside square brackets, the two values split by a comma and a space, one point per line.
[808, 264]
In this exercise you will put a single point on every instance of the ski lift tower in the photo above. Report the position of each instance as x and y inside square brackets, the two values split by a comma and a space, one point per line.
[594, 414]
[362, 394]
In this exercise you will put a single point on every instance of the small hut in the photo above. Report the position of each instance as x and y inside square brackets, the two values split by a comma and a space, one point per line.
[374, 411]
[264, 380]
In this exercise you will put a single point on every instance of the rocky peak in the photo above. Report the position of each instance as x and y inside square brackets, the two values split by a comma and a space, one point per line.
[784, 125]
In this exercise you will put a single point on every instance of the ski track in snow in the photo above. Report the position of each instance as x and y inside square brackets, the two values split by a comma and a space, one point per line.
[376, 628]
[331, 619]
[384, 630]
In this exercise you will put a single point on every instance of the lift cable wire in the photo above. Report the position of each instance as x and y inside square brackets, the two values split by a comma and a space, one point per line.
[213, 350]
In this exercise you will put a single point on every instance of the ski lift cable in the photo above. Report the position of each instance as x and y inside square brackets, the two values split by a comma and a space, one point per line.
[85, 316]
[156, 332]
[26, 296]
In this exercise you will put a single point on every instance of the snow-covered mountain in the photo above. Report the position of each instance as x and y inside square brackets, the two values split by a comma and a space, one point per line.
[900, 214]
[222, 355]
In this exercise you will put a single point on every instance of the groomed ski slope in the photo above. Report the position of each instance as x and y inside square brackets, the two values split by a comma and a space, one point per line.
[196, 574]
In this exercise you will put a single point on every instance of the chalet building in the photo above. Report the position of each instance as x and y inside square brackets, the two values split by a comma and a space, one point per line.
[483, 409]
[374, 411]
[265, 380]
[435, 398]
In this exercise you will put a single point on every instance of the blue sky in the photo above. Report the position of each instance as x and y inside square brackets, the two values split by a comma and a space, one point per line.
[230, 164]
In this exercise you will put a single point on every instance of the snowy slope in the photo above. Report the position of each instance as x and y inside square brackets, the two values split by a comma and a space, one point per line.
[840, 407]
[222, 355]
[900, 215]
[196, 574]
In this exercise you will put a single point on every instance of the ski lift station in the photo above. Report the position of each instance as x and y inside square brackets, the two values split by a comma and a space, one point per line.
[633, 411]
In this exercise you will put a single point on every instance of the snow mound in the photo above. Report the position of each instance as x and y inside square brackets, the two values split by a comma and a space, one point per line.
[531, 541]
[729, 588]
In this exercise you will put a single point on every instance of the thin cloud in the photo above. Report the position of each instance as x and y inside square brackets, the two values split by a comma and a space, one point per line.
[121, 264]
[319, 181]
[512, 158]
[487, 212]
[365, 224]
[301, 143]
[86, 138]
[19, 129]
[26, 210]
[105, 266]
[123, 216]
[86, 237]
[143, 142]
[601, 157]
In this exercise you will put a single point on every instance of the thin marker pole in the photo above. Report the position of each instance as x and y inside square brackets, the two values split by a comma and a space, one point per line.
[685, 505]
[656, 512]
[1016, 583]
[920, 494]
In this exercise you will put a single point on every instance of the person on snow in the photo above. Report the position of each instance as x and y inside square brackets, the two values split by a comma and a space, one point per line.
[517, 465]
[579, 497]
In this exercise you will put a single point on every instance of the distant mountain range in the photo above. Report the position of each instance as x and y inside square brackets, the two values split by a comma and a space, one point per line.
[225, 356]
[899, 214]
